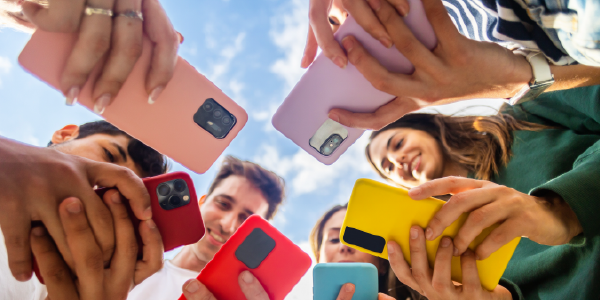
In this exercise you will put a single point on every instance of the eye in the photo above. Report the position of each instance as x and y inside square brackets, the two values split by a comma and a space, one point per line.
[399, 144]
[390, 168]
[222, 204]
[334, 240]
[333, 22]
[109, 155]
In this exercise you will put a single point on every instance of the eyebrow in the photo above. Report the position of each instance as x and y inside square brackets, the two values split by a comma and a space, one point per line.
[389, 143]
[233, 200]
[121, 151]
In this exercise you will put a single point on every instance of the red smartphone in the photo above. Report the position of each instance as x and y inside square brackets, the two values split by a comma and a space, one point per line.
[260, 248]
[175, 211]
[191, 115]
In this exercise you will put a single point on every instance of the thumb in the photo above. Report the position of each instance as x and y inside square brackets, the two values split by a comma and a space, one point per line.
[383, 116]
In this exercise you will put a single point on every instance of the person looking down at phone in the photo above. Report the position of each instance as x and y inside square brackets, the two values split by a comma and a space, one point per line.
[533, 169]
[327, 248]
[106, 28]
[473, 59]
[239, 190]
[35, 182]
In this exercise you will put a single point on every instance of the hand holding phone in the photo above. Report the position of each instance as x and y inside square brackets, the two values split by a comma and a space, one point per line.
[257, 247]
[378, 213]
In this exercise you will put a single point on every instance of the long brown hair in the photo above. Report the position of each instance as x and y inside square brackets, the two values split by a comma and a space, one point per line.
[481, 144]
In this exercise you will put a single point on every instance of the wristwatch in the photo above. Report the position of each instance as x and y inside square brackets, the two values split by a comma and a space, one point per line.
[542, 79]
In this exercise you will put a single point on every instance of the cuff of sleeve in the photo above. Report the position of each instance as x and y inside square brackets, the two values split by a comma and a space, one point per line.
[514, 289]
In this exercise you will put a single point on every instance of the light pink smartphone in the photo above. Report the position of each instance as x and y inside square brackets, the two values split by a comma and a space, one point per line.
[192, 121]
[303, 116]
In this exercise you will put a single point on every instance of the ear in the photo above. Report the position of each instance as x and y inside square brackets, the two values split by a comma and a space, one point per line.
[67, 133]
[201, 200]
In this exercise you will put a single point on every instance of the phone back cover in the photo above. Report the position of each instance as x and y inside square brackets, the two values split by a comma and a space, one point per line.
[167, 125]
[278, 273]
[388, 212]
[328, 279]
[325, 86]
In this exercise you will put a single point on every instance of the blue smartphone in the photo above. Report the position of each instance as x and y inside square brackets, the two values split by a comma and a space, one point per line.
[328, 279]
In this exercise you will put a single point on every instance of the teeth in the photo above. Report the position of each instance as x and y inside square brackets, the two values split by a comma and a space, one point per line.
[218, 238]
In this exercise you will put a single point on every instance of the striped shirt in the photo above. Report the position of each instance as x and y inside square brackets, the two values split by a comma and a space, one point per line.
[505, 22]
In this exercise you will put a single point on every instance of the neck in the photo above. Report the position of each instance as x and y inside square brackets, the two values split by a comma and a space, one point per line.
[454, 169]
[188, 259]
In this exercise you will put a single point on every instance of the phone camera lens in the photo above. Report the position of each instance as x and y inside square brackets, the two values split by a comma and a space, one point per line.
[175, 200]
[218, 113]
[207, 106]
[226, 120]
[164, 189]
[179, 185]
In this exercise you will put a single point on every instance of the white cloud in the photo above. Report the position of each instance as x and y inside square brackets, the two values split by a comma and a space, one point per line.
[288, 32]
[5, 66]
[228, 53]
[305, 174]
[303, 290]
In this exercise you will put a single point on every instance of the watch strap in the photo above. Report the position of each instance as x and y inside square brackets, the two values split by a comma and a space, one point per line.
[542, 79]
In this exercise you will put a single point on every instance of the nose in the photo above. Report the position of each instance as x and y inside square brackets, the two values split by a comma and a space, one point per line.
[345, 249]
[229, 223]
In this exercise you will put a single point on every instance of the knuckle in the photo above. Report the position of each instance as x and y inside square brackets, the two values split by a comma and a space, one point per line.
[479, 215]
[457, 199]
[99, 44]
[57, 273]
[131, 248]
[419, 276]
[133, 49]
[94, 261]
[16, 241]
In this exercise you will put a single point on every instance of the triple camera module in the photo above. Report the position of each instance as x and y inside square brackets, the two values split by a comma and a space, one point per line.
[214, 118]
[331, 144]
[173, 194]
[328, 137]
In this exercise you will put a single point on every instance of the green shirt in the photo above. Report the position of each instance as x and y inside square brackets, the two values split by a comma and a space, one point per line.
[567, 162]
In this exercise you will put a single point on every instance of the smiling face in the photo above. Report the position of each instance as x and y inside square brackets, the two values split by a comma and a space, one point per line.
[407, 156]
[333, 251]
[224, 210]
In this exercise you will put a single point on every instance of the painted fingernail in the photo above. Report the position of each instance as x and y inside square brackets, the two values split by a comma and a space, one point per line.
[445, 242]
[415, 191]
[151, 223]
[101, 104]
[429, 233]
[385, 42]
[455, 252]
[414, 233]
[74, 206]
[147, 213]
[349, 288]
[391, 249]
[22, 277]
[115, 198]
[72, 96]
[247, 277]
[340, 62]
[375, 4]
[192, 287]
[154, 94]
[348, 43]
[334, 117]
[38, 231]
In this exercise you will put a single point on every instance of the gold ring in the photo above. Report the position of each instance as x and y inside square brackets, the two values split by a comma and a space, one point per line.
[132, 14]
[98, 11]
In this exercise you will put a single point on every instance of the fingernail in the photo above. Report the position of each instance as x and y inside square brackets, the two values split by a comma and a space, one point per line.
[22, 277]
[403, 11]
[180, 36]
[154, 94]
[445, 242]
[455, 253]
[247, 277]
[468, 253]
[340, 62]
[348, 43]
[428, 233]
[72, 96]
[477, 257]
[334, 117]
[38, 231]
[74, 207]
[304, 63]
[115, 198]
[391, 249]
[147, 213]
[414, 233]
[415, 191]
[101, 104]
[349, 288]
[192, 287]
[151, 223]
[375, 4]
[385, 42]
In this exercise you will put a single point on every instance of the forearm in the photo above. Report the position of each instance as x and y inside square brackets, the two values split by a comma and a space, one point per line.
[568, 77]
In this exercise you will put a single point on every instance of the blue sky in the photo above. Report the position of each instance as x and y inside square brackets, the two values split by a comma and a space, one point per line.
[252, 51]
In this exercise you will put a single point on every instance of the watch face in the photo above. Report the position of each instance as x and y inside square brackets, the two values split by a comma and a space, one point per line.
[530, 92]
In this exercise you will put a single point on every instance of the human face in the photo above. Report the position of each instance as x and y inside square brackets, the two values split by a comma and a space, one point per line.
[11, 14]
[97, 147]
[333, 251]
[337, 15]
[407, 156]
[224, 210]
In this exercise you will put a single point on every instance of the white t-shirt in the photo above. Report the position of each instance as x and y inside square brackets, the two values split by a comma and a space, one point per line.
[10, 288]
[164, 284]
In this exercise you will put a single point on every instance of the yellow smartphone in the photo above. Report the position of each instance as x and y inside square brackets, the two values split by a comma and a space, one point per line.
[378, 213]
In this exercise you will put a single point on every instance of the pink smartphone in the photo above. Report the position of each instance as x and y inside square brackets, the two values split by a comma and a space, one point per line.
[192, 122]
[303, 116]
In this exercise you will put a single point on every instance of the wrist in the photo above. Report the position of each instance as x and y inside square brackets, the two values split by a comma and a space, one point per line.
[521, 75]
[563, 213]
